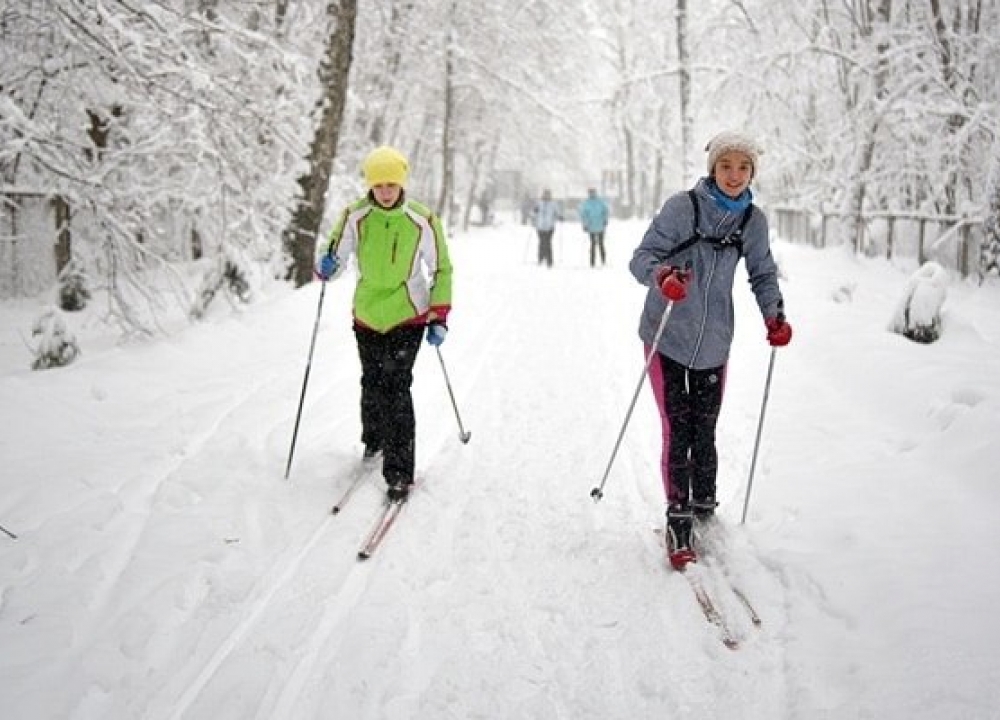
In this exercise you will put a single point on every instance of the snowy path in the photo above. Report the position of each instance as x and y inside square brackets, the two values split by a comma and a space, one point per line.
[503, 560]
[188, 580]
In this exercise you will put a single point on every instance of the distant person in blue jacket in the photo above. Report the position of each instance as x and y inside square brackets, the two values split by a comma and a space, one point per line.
[594, 215]
[544, 216]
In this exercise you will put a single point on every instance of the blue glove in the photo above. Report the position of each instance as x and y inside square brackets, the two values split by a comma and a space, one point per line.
[436, 333]
[326, 266]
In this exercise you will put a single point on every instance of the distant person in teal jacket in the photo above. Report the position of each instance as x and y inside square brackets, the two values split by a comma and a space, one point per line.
[594, 215]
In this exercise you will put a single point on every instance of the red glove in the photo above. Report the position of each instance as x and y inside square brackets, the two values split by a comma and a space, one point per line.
[779, 332]
[672, 282]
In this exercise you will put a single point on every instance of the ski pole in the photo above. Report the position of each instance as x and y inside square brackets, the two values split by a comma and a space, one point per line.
[462, 434]
[8, 533]
[598, 492]
[760, 427]
[305, 380]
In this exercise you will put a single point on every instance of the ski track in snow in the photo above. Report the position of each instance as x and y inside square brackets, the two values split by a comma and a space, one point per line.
[537, 633]
[136, 499]
[254, 609]
[233, 595]
[517, 495]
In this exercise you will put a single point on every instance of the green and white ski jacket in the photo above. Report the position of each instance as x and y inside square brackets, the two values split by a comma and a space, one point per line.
[404, 271]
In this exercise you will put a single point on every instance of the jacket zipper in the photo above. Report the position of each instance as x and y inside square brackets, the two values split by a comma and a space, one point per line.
[705, 309]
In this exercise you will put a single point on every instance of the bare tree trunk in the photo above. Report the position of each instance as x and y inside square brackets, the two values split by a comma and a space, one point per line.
[883, 17]
[948, 62]
[300, 236]
[684, 89]
[280, 13]
[658, 163]
[470, 193]
[63, 245]
[859, 185]
[445, 200]
[630, 194]
[480, 164]
[383, 80]
[209, 10]
[864, 157]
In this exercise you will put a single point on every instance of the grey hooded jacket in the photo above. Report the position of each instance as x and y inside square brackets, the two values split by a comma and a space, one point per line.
[699, 332]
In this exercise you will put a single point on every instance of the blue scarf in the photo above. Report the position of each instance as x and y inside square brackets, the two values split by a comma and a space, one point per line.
[732, 205]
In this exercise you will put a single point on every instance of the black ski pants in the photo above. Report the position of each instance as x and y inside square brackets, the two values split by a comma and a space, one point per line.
[597, 248]
[689, 402]
[545, 247]
[387, 417]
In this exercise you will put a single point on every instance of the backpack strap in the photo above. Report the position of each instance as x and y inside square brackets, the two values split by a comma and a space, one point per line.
[733, 239]
[696, 234]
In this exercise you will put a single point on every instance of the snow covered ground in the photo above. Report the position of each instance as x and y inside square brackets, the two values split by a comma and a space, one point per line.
[165, 569]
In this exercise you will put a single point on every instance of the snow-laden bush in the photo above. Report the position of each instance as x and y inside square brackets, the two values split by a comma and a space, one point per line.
[73, 292]
[229, 272]
[918, 314]
[56, 346]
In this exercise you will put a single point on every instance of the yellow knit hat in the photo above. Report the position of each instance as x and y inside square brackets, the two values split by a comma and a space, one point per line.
[385, 165]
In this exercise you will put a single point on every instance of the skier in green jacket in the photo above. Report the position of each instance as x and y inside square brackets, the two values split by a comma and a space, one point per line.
[403, 292]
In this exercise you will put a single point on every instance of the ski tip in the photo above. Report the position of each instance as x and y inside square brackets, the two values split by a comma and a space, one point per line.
[363, 555]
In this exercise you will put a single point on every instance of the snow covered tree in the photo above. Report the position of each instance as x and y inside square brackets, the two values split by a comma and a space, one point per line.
[989, 254]
[863, 106]
[228, 272]
[144, 124]
[177, 131]
[300, 235]
[519, 94]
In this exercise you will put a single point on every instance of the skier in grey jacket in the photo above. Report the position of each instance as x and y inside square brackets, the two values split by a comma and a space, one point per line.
[688, 257]
[545, 215]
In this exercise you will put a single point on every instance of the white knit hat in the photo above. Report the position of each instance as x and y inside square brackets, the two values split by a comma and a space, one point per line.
[732, 141]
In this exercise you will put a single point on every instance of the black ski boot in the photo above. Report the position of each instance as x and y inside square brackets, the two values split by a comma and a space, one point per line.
[399, 490]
